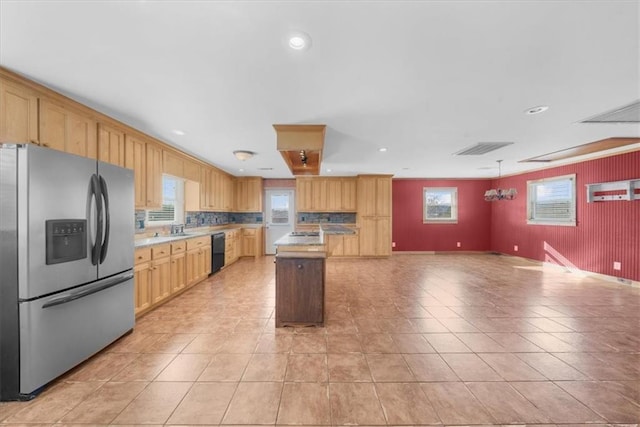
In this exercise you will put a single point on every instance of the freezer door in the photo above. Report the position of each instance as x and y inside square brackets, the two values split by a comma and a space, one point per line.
[116, 253]
[52, 185]
[60, 331]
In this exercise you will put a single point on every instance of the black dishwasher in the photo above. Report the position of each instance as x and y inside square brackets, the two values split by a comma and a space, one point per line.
[217, 252]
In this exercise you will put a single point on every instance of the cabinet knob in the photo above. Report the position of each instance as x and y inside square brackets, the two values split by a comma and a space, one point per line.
[300, 266]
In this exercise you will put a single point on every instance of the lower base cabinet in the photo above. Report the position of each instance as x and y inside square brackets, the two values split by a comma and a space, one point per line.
[300, 289]
[343, 245]
[164, 270]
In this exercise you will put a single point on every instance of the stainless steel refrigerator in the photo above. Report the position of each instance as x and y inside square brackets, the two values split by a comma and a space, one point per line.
[66, 263]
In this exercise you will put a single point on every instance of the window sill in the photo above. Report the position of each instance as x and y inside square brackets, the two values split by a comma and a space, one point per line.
[439, 221]
[561, 224]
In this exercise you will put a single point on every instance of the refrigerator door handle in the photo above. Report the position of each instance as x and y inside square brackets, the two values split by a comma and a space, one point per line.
[101, 286]
[107, 214]
[95, 192]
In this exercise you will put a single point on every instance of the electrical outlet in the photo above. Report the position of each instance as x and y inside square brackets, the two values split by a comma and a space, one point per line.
[459, 244]
[515, 248]
[393, 244]
[617, 265]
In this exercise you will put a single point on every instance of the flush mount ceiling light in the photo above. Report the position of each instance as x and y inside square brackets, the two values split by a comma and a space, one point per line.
[178, 132]
[299, 40]
[536, 110]
[382, 149]
[243, 154]
[495, 194]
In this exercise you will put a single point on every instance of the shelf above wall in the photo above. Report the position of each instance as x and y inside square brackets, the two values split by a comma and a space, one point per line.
[616, 190]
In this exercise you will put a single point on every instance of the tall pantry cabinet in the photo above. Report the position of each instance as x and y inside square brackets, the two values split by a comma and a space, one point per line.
[374, 214]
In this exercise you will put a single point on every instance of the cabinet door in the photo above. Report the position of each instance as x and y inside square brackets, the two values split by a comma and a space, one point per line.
[191, 267]
[136, 159]
[205, 185]
[255, 194]
[142, 285]
[249, 245]
[154, 176]
[178, 272]
[335, 244]
[111, 147]
[349, 194]
[64, 130]
[191, 171]
[368, 227]
[205, 264]
[229, 195]
[366, 196]
[299, 290]
[160, 280]
[319, 195]
[383, 236]
[303, 194]
[334, 195]
[18, 114]
[172, 164]
[383, 196]
[351, 245]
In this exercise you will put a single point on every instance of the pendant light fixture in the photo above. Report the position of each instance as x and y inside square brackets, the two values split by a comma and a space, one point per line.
[495, 194]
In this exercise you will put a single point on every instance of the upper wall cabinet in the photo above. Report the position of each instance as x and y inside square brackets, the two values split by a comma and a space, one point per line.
[64, 130]
[374, 195]
[172, 164]
[191, 170]
[18, 114]
[318, 194]
[136, 159]
[249, 194]
[154, 175]
[111, 145]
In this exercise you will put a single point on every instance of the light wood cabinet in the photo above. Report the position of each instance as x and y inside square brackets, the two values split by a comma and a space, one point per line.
[249, 242]
[154, 176]
[232, 246]
[172, 164]
[160, 279]
[342, 245]
[136, 159]
[249, 194]
[228, 193]
[142, 280]
[178, 266]
[374, 214]
[191, 171]
[64, 130]
[111, 147]
[18, 114]
[198, 259]
[318, 194]
[349, 192]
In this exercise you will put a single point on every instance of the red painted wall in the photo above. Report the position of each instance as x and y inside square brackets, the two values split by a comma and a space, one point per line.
[605, 232]
[474, 217]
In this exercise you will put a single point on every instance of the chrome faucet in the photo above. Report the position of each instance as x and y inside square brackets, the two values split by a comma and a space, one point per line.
[177, 228]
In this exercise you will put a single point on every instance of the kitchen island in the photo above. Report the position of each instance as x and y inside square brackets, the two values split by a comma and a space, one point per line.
[300, 271]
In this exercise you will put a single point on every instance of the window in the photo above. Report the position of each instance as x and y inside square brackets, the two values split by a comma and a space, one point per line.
[440, 205]
[172, 210]
[552, 201]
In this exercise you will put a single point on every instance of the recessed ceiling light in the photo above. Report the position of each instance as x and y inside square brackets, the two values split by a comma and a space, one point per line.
[299, 40]
[329, 170]
[382, 149]
[241, 170]
[537, 110]
[265, 169]
[178, 132]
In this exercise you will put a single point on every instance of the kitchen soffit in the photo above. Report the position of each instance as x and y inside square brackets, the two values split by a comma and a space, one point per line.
[301, 147]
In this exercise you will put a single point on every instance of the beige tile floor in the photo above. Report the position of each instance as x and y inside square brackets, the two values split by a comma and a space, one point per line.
[412, 340]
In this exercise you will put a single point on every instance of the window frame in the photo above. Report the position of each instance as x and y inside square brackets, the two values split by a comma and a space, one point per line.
[531, 192]
[454, 205]
[178, 204]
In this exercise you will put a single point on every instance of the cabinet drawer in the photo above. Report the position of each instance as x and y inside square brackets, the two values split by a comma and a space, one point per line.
[178, 247]
[142, 255]
[160, 251]
[198, 242]
[248, 231]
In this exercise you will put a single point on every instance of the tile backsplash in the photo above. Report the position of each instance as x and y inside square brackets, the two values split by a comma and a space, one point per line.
[331, 217]
[204, 219]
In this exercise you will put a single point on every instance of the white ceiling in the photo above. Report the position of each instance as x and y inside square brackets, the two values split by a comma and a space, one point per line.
[422, 78]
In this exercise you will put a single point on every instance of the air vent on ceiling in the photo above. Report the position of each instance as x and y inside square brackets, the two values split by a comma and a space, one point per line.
[626, 114]
[481, 148]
